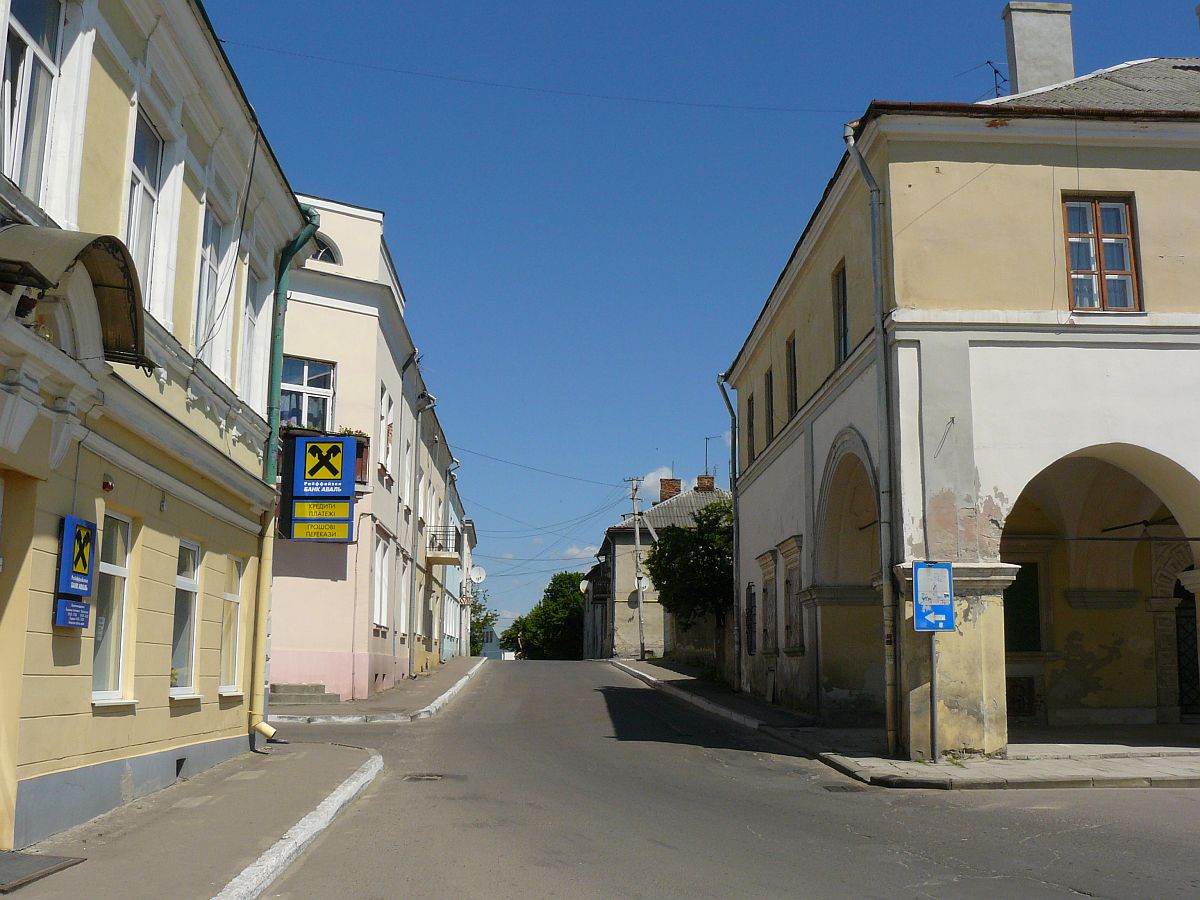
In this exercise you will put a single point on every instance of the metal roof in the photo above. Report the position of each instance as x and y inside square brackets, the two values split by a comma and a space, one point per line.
[1165, 83]
[678, 510]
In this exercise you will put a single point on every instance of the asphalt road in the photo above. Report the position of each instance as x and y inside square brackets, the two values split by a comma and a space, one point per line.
[572, 779]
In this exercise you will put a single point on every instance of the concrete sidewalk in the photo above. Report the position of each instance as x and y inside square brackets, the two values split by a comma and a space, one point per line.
[1104, 758]
[191, 839]
[413, 698]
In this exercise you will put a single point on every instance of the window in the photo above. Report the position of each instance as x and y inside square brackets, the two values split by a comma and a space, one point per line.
[793, 621]
[769, 402]
[231, 625]
[1102, 276]
[144, 185]
[108, 647]
[251, 356]
[381, 581]
[402, 611]
[841, 316]
[386, 424]
[30, 67]
[406, 472]
[751, 453]
[751, 620]
[793, 396]
[769, 619]
[183, 630]
[323, 250]
[307, 396]
[212, 250]
[1023, 612]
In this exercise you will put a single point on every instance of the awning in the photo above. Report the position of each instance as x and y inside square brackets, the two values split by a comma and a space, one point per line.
[41, 257]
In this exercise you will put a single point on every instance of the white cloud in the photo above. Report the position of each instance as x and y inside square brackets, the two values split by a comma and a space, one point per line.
[577, 552]
[506, 556]
[652, 483]
[508, 614]
[537, 541]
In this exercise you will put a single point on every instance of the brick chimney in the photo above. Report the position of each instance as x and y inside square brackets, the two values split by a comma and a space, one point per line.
[668, 488]
[706, 482]
[1040, 52]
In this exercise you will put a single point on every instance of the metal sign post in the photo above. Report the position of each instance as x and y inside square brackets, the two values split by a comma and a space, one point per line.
[933, 611]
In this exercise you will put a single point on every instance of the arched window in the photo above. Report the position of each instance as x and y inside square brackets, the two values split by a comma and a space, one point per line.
[324, 251]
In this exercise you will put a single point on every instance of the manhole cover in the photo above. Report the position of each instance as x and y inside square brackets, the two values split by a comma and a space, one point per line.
[845, 788]
[423, 776]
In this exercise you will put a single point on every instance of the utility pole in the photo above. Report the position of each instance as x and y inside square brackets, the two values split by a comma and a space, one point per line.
[637, 568]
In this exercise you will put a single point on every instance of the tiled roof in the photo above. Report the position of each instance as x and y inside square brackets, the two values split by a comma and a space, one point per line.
[1157, 84]
[679, 510]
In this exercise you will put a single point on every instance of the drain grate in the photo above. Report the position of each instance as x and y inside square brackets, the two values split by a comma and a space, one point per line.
[844, 788]
[423, 776]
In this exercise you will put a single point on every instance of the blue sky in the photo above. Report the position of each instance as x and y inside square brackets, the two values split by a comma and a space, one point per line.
[579, 269]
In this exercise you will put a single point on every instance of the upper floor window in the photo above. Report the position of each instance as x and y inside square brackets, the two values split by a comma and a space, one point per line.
[30, 67]
[307, 395]
[750, 450]
[1100, 254]
[253, 334]
[841, 316]
[386, 426]
[324, 251]
[212, 250]
[769, 403]
[144, 185]
[793, 396]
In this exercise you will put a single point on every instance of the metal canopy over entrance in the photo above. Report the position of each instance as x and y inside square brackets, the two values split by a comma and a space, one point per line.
[42, 258]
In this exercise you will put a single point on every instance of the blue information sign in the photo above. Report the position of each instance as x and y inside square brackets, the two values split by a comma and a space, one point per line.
[77, 551]
[324, 467]
[71, 613]
[933, 596]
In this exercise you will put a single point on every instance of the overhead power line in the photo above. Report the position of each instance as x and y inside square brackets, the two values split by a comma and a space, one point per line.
[509, 462]
[530, 89]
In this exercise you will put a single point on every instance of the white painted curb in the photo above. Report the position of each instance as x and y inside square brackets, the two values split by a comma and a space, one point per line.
[258, 876]
[707, 705]
[388, 718]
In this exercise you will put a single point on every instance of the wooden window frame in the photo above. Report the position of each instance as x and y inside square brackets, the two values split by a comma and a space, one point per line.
[793, 387]
[1100, 270]
[769, 402]
[751, 453]
[841, 314]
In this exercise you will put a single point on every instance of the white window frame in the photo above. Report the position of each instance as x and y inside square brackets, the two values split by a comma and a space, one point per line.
[106, 568]
[250, 365]
[192, 585]
[236, 599]
[380, 607]
[305, 390]
[138, 186]
[402, 602]
[387, 422]
[14, 147]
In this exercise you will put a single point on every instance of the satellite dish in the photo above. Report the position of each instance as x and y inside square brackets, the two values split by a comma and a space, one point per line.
[477, 574]
[643, 582]
[583, 586]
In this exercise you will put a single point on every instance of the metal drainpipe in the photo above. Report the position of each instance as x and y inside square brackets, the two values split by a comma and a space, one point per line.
[425, 401]
[266, 540]
[737, 542]
[412, 357]
[884, 477]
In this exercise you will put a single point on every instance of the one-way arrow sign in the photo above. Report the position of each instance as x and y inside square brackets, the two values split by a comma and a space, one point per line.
[933, 596]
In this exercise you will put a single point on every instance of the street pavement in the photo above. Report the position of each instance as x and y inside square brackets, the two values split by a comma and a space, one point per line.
[573, 779]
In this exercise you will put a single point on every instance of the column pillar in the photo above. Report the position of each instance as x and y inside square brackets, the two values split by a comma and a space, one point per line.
[972, 709]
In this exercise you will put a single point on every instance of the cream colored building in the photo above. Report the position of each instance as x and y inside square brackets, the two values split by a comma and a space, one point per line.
[1022, 405]
[343, 614]
[147, 214]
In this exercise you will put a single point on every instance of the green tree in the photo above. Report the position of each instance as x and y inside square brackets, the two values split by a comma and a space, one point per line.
[692, 568]
[482, 618]
[553, 629]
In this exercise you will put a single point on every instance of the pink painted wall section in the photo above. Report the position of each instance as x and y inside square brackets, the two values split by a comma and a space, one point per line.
[334, 670]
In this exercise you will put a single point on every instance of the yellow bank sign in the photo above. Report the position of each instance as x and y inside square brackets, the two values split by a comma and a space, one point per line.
[321, 531]
[321, 509]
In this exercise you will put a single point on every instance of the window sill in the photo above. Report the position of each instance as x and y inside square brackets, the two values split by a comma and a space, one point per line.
[1110, 313]
[230, 694]
[793, 651]
[186, 698]
[113, 701]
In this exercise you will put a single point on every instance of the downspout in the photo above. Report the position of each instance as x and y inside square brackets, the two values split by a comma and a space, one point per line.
[737, 542]
[425, 400]
[883, 405]
[412, 357]
[266, 540]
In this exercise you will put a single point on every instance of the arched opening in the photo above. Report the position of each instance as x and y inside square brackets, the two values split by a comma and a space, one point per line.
[843, 605]
[324, 250]
[1092, 626]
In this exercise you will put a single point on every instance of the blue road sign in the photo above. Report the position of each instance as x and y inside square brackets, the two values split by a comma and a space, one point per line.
[324, 467]
[71, 613]
[77, 551]
[933, 596]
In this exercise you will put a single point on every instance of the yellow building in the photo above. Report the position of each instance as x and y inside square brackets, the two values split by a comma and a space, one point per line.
[147, 213]
[979, 353]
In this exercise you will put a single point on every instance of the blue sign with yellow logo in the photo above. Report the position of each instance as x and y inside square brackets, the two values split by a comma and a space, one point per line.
[324, 467]
[76, 557]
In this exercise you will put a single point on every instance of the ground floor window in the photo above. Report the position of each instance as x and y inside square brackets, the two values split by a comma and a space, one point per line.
[109, 645]
[231, 622]
[183, 630]
[751, 620]
[1023, 612]
[793, 625]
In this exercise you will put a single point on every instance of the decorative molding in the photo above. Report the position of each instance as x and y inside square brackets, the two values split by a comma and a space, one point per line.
[1190, 580]
[1080, 598]
[1162, 604]
[790, 549]
[766, 563]
[840, 595]
[969, 577]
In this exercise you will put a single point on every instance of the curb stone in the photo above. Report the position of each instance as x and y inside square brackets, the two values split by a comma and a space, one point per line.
[258, 876]
[707, 705]
[379, 718]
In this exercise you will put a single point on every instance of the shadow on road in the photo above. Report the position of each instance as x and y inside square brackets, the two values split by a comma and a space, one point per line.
[640, 715]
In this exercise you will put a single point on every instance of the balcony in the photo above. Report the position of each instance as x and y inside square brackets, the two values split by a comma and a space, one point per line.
[443, 547]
